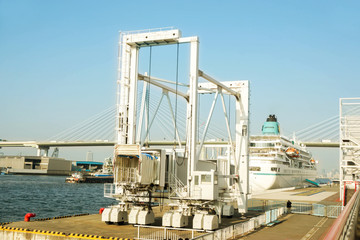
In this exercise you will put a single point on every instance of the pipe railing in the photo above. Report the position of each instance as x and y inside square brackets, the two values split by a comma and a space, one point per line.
[341, 225]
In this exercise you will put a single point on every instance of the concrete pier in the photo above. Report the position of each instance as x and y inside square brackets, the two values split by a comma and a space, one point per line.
[87, 227]
[289, 226]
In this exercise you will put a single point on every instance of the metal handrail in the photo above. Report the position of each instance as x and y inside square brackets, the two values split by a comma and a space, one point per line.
[338, 226]
[127, 174]
[177, 185]
[109, 190]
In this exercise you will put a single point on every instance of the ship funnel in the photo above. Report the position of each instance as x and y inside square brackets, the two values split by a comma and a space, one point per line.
[271, 126]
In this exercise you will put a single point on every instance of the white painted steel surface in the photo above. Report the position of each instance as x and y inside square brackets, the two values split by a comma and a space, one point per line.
[349, 143]
[139, 170]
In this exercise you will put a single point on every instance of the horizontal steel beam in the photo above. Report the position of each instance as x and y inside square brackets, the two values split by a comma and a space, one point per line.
[55, 144]
[321, 144]
[110, 143]
[217, 83]
[90, 144]
[152, 80]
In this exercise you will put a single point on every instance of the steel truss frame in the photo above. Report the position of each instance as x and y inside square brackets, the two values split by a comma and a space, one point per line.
[349, 144]
[130, 134]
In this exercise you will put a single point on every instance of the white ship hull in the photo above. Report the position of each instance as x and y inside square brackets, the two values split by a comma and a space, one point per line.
[285, 178]
[272, 167]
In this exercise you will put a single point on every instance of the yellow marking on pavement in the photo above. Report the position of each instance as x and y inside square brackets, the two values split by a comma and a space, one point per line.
[309, 193]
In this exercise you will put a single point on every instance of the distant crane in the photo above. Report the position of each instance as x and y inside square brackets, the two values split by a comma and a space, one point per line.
[55, 153]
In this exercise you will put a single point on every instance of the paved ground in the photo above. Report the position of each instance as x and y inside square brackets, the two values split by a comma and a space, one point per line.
[300, 195]
[298, 226]
[92, 225]
[294, 227]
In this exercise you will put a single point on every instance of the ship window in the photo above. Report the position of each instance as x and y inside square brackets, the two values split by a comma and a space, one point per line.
[274, 169]
[262, 144]
[255, 169]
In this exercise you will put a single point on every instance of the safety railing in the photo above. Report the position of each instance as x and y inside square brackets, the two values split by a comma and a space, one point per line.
[264, 205]
[240, 229]
[149, 30]
[244, 227]
[109, 190]
[333, 211]
[126, 175]
[303, 208]
[330, 211]
[160, 233]
[177, 186]
[344, 226]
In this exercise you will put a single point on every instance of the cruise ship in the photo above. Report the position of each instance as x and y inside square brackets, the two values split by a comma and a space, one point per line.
[278, 162]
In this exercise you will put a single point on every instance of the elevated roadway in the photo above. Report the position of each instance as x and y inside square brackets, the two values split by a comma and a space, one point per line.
[56, 144]
[322, 144]
[102, 143]
[46, 145]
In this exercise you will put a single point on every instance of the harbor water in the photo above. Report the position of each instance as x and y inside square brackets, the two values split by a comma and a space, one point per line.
[48, 196]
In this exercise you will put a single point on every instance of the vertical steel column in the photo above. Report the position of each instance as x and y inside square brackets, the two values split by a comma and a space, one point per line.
[341, 169]
[118, 89]
[242, 146]
[192, 111]
[131, 138]
[123, 81]
[38, 151]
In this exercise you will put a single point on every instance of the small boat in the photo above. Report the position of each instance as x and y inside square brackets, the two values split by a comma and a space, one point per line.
[4, 171]
[105, 175]
[292, 152]
[76, 177]
[106, 171]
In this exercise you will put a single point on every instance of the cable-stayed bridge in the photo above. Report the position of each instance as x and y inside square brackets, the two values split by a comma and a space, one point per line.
[99, 130]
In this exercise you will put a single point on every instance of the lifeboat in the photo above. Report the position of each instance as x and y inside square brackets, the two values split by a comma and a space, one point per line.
[292, 152]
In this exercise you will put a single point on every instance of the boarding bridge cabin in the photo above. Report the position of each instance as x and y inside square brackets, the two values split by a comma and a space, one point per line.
[199, 176]
[135, 169]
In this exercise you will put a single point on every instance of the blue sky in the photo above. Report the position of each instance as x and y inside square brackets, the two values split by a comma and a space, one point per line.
[58, 59]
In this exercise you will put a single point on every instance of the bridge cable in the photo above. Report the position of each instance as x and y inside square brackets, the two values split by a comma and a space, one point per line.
[148, 98]
[176, 90]
[229, 111]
